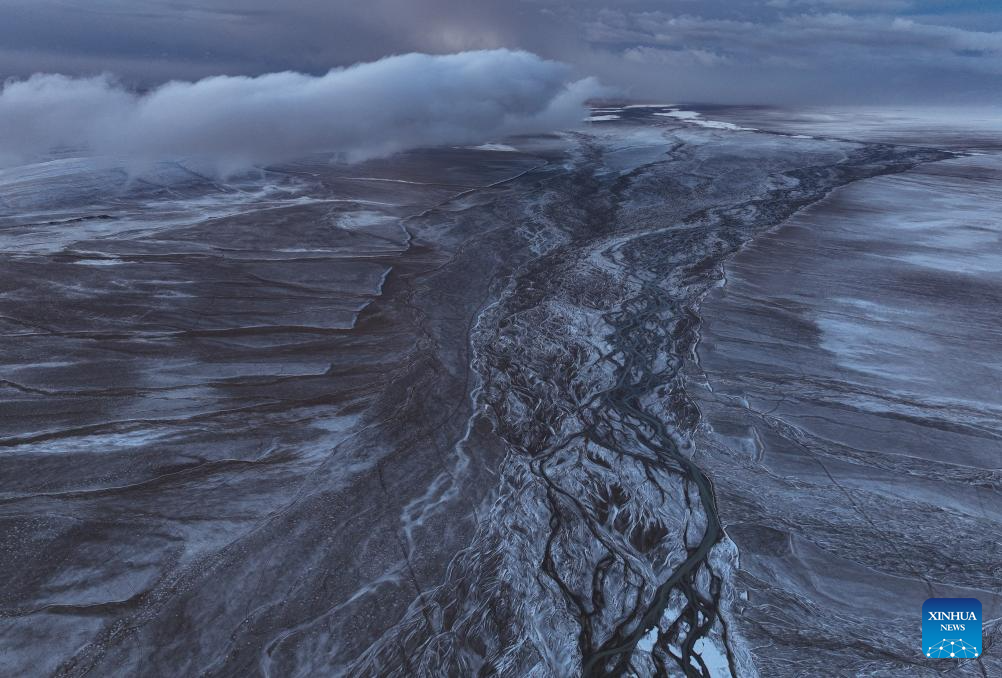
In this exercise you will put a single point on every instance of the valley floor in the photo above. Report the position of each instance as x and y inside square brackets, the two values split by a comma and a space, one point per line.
[666, 395]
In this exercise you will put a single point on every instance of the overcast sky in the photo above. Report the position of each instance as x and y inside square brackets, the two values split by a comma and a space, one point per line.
[754, 51]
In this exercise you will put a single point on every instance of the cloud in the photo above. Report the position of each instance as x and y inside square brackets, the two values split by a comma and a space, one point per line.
[678, 58]
[854, 5]
[799, 57]
[366, 110]
[809, 34]
[765, 51]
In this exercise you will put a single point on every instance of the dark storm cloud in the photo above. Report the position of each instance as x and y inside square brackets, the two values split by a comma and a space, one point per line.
[711, 50]
[231, 122]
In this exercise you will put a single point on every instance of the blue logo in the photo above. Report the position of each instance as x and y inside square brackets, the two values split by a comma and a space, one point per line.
[951, 628]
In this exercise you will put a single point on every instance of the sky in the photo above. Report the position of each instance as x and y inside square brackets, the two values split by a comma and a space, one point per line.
[733, 51]
[237, 84]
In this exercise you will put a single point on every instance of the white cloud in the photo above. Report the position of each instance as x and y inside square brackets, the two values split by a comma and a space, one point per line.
[367, 110]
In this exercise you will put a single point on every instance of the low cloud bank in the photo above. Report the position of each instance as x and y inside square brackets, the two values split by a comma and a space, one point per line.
[230, 123]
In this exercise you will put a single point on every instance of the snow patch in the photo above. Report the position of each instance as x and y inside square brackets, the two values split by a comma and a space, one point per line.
[715, 660]
[694, 118]
[679, 115]
[501, 148]
[362, 219]
[649, 640]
